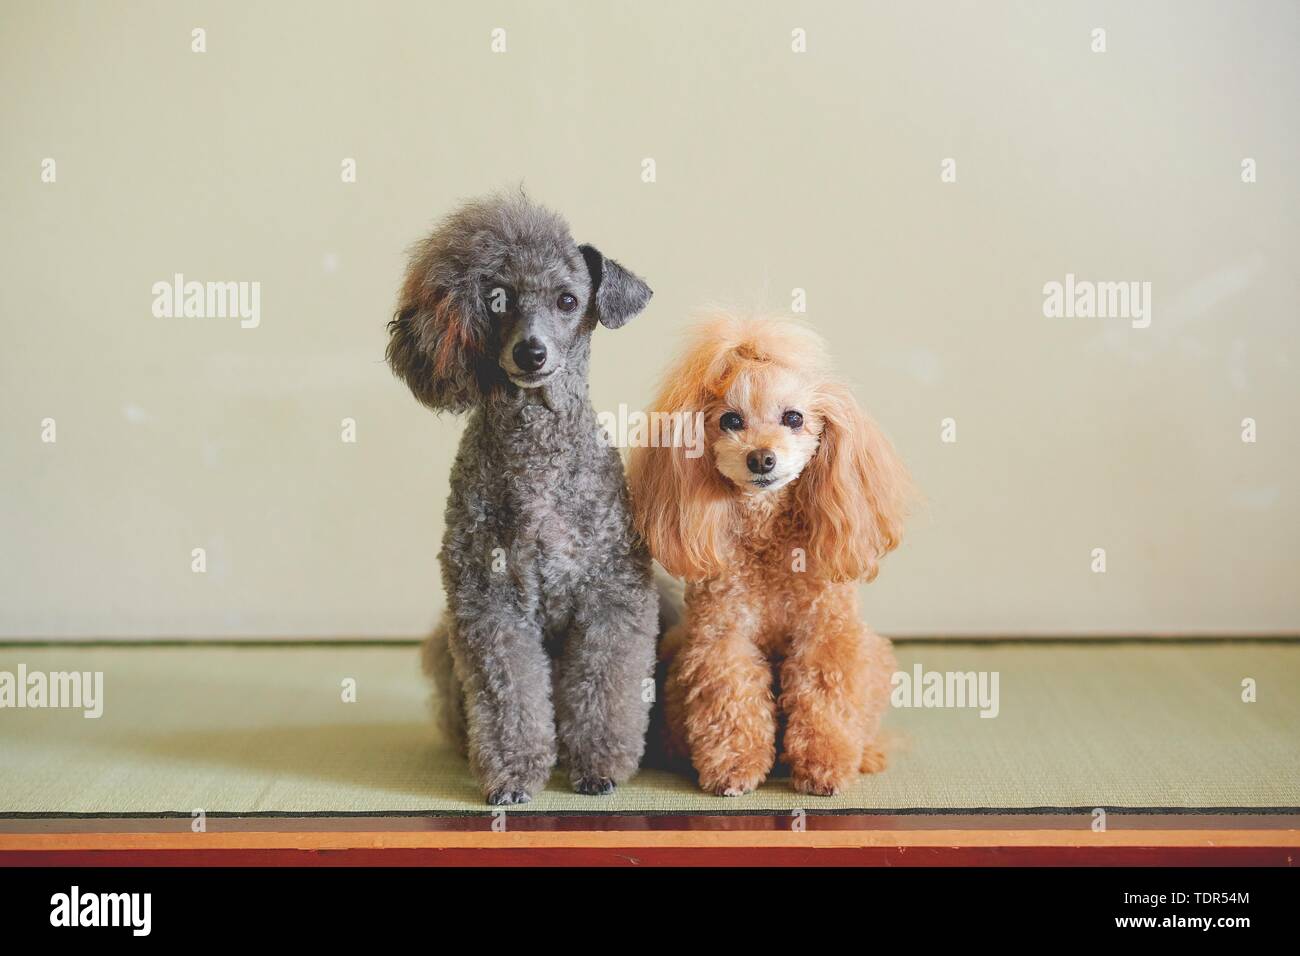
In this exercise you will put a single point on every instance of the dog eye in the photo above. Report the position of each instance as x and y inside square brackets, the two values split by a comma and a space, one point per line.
[792, 419]
[567, 302]
[731, 422]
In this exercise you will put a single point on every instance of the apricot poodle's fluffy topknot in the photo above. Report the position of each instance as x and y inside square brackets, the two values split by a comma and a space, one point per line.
[725, 344]
[851, 497]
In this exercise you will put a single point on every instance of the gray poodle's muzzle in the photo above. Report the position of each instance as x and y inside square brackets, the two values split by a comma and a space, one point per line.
[529, 356]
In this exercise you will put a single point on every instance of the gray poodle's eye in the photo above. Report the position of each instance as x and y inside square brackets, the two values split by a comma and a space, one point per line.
[792, 419]
[731, 422]
[567, 302]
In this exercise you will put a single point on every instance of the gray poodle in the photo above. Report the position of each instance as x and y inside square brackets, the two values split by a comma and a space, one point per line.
[546, 648]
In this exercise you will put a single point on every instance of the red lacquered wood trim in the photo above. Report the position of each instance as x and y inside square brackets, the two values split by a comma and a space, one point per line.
[897, 856]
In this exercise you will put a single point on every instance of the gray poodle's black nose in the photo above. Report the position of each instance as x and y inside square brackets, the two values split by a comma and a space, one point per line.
[529, 355]
[761, 461]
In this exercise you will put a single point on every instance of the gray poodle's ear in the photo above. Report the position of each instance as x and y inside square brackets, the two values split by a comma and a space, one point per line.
[617, 294]
[435, 345]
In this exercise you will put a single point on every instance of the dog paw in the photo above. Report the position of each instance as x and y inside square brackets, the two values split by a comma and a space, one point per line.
[731, 785]
[817, 785]
[504, 795]
[593, 786]
[873, 760]
[725, 791]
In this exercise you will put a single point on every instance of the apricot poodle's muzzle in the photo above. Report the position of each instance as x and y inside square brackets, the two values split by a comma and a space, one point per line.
[761, 461]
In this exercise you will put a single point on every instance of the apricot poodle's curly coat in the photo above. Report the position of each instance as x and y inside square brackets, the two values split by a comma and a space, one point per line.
[797, 499]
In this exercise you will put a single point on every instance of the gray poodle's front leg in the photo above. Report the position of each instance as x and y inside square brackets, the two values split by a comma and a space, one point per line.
[448, 697]
[506, 678]
[604, 691]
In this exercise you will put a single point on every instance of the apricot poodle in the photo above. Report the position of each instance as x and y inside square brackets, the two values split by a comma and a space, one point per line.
[796, 500]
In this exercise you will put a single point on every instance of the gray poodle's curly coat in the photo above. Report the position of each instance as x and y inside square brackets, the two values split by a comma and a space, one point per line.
[546, 648]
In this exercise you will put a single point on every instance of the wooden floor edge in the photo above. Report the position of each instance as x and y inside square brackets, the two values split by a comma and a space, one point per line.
[487, 840]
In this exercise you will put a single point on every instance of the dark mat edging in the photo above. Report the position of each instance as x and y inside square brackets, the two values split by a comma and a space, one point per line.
[650, 812]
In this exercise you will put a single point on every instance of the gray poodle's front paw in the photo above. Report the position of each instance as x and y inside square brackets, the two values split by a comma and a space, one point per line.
[593, 786]
[516, 779]
[508, 795]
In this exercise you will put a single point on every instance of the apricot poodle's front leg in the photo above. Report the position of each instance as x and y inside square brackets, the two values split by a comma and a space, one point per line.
[827, 690]
[724, 688]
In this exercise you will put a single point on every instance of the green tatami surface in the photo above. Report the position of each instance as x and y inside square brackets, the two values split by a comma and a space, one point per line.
[249, 730]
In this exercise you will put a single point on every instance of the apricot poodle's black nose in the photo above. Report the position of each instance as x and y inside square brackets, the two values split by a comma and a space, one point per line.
[529, 355]
[761, 461]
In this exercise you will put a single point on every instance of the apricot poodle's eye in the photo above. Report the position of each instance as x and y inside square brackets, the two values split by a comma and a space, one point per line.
[567, 302]
[731, 422]
[792, 419]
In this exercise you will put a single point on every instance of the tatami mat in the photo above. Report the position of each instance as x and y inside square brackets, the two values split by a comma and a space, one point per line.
[265, 730]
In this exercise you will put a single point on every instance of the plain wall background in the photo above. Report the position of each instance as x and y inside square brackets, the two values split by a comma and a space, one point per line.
[775, 170]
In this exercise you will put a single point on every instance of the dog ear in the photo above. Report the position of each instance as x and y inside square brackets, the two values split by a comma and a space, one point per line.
[436, 340]
[616, 294]
[853, 494]
[681, 504]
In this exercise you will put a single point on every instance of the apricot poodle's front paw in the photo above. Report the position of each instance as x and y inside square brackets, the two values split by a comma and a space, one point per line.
[733, 790]
[874, 760]
[731, 783]
[817, 781]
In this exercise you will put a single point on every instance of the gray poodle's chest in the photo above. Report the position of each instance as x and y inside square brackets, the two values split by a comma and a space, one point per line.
[538, 516]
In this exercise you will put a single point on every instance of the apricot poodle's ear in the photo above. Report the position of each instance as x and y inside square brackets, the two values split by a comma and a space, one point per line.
[853, 495]
[681, 504]
[437, 339]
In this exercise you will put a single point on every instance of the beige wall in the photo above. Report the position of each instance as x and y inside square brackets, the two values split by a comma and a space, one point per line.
[776, 170]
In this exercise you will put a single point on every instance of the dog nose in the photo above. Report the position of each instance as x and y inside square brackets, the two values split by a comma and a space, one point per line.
[529, 355]
[761, 461]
